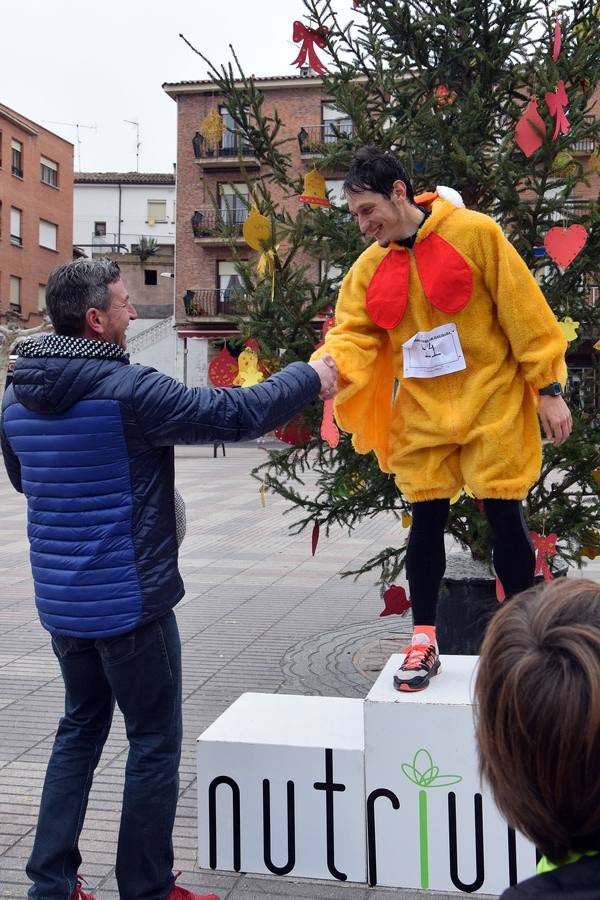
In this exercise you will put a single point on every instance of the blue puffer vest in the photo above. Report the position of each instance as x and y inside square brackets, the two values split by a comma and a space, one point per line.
[90, 443]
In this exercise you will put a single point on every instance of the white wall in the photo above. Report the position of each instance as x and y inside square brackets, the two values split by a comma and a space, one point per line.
[100, 203]
[152, 342]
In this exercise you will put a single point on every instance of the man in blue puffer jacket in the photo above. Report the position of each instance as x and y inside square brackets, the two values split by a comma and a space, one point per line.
[89, 440]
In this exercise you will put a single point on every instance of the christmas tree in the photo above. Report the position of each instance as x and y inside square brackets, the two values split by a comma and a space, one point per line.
[443, 85]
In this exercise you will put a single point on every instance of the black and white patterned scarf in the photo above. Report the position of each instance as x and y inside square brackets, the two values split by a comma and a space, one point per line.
[71, 348]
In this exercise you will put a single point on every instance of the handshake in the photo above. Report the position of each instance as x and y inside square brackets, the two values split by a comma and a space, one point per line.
[327, 371]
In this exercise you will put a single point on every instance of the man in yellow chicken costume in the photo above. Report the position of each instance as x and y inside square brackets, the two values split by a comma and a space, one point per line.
[447, 353]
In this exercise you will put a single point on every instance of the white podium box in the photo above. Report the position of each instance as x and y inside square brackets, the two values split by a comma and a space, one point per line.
[430, 823]
[281, 788]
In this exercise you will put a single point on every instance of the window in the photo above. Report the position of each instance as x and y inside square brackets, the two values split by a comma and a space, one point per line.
[15, 292]
[48, 171]
[230, 287]
[231, 135]
[99, 229]
[150, 276]
[334, 189]
[48, 235]
[234, 203]
[331, 276]
[42, 297]
[157, 211]
[15, 226]
[17, 158]
[336, 124]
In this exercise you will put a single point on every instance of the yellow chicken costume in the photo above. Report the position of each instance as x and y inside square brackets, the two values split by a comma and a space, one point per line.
[476, 425]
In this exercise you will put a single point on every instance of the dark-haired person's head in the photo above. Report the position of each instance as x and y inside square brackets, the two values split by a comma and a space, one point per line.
[380, 196]
[87, 298]
[75, 287]
[538, 715]
[376, 170]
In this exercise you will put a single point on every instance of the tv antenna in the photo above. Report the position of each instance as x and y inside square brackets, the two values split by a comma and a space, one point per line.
[137, 141]
[76, 126]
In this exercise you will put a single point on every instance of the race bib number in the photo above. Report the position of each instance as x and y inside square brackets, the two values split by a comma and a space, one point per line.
[429, 354]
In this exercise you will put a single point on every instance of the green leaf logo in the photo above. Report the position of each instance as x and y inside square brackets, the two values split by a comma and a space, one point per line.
[423, 773]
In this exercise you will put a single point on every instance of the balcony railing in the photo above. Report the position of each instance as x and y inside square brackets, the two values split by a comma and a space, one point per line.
[572, 210]
[586, 145]
[211, 222]
[314, 139]
[215, 303]
[231, 147]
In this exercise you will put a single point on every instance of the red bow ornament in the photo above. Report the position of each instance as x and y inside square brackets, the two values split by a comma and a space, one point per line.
[556, 101]
[309, 37]
[545, 549]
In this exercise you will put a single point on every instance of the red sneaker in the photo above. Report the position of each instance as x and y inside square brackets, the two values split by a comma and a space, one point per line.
[179, 893]
[79, 893]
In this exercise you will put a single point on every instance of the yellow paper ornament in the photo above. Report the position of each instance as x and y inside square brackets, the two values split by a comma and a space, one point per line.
[315, 190]
[569, 328]
[591, 545]
[258, 234]
[564, 164]
[257, 230]
[597, 345]
[583, 29]
[594, 162]
[406, 520]
[212, 129]
[596, 475]
[248, 372]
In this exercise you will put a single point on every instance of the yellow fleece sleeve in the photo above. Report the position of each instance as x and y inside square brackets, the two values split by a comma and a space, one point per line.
[535, 337]
[362, 353]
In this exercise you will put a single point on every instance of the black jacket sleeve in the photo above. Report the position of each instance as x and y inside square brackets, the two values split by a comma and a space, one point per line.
[169, 413]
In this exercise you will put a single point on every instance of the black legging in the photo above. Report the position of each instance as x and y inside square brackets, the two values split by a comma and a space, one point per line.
[513, 553]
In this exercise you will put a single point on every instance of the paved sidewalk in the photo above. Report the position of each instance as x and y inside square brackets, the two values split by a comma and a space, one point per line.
[260, 614]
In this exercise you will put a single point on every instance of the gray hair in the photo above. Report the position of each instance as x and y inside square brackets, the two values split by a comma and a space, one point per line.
[75, 287]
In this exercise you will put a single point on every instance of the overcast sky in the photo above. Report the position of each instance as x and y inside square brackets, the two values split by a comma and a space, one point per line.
[97, 64]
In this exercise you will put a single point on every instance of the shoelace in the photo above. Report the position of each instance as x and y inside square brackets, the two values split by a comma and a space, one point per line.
[79, 893]
[417, 656]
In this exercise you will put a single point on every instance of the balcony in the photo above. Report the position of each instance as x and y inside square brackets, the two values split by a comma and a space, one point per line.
[572, 211]
[218, 226]
[210, 303]
[586, 146]
[316, 140]
[230, 153]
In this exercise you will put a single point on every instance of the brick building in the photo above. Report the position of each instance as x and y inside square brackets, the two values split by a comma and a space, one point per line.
[36, 213]
[205, 275]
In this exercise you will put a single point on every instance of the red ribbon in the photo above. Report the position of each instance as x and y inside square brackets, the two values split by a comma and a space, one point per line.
[309, 37]
[545, 549]
[556, 101]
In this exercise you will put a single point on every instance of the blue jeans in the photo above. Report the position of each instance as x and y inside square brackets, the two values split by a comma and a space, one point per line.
[141, 671]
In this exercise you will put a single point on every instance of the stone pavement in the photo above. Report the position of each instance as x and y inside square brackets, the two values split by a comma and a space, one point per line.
[260, 614]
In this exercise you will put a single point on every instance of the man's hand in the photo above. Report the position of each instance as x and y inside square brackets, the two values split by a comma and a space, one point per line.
[555, 416]
[327, 371]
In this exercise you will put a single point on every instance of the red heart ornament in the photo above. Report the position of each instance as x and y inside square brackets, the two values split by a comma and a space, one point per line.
[563, 244]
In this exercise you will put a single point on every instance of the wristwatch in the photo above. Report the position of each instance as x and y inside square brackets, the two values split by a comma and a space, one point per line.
[551, 390]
